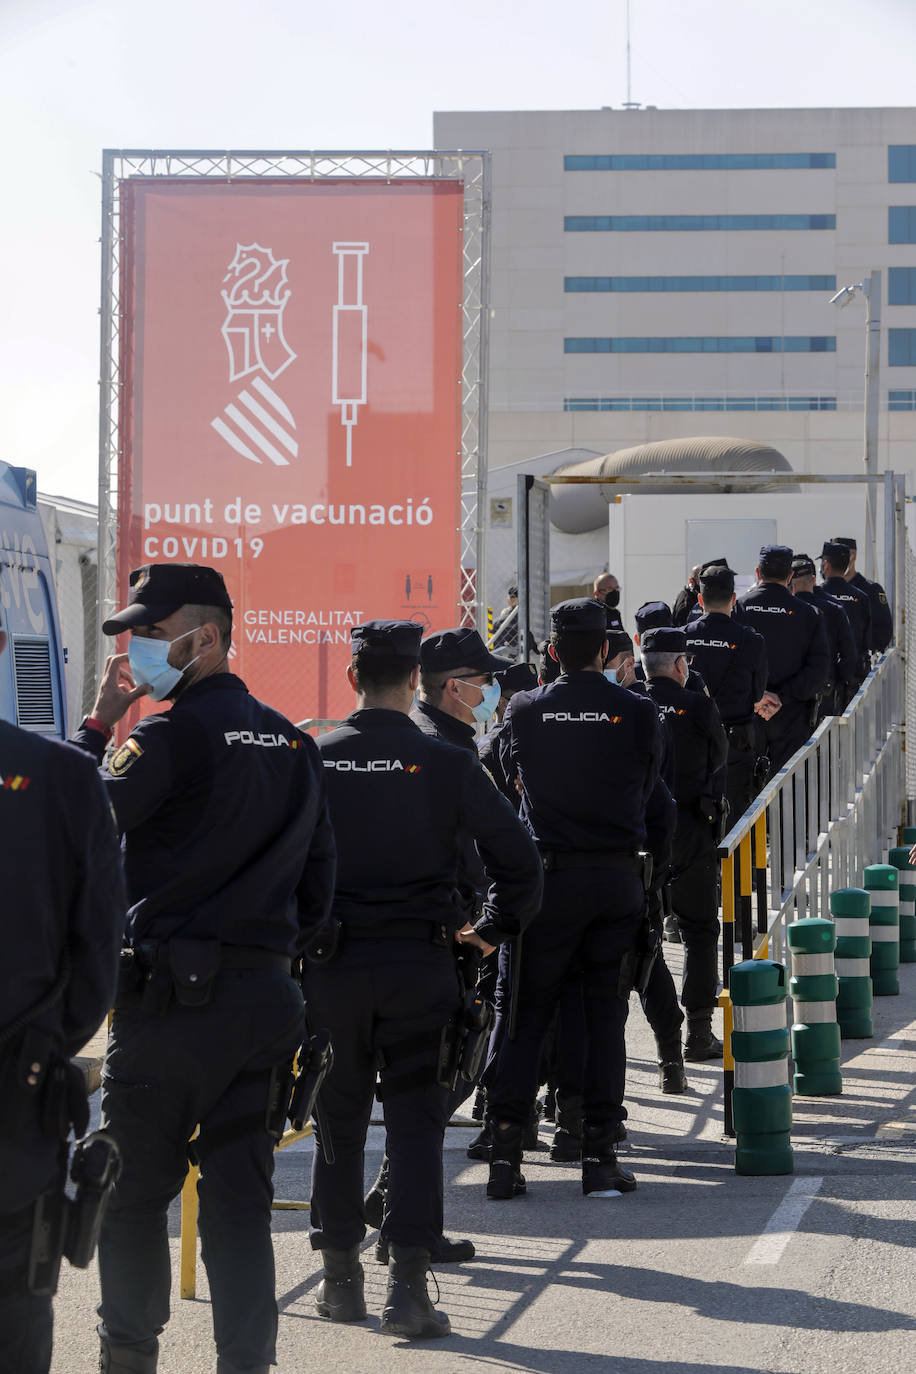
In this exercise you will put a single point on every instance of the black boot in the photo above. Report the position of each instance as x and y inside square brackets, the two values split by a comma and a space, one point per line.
[124, 1359]
[340, 1292]
[506, 1178]
[601, 1172]
[377, 1196]
[567, 1138]
[479, 1147]
[408, 1310]
[445, 1251]
[671, 1076]
[550, 1104]
[701, 1043]
[672, 931]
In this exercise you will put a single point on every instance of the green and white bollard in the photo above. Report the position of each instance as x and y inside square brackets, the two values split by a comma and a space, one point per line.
[900, 858]
[762, 1098]
[850, 907]
[881, 885]
[813, 988]
[908, 837]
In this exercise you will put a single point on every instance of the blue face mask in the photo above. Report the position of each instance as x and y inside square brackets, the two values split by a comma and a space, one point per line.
[149, 663]
[485, 708]
[611, 674]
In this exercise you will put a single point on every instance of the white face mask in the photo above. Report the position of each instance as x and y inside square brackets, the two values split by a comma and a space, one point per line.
[148, 660]
[613, 674]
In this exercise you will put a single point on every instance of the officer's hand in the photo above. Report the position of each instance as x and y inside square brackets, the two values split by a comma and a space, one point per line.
[467, 935]
[768, 705]
[117, 691]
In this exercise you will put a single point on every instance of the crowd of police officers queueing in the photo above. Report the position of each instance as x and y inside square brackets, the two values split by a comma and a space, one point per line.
[381, 872]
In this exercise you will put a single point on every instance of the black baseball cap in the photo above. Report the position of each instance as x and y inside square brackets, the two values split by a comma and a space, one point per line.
[394, 638]
[846, 541]
[458, 648]
[520, 677]
[837, 553]
[775, 560]
[652, 613]
[664, 639]
[803, 564]
[714, 563]
[619, 642]
[579, 615]
[158, 590]
[717, 579]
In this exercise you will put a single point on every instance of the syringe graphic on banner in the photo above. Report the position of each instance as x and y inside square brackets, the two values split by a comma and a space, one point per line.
[350, 338]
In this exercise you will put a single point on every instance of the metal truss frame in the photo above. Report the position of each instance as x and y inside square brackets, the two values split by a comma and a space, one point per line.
[472, 168]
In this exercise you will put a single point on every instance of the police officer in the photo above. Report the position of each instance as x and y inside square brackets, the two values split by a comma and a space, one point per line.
[882, 617]
[586, 752]
[732, 659]
[61, 917]
[798, 659]
[652, 615]
[840, 639]
[229, 858]
[606, 589]
[700, 751]
[855, 602]
[400, 801]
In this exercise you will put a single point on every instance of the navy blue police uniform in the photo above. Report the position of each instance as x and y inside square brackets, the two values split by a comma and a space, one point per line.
[798, 659]
[61, 918]
[732, 658]
[840, 642]
[401, 800]
[857, 605]
[229, 860]
[586, 753]
[700, 752]
[882, 616]
[491, 749]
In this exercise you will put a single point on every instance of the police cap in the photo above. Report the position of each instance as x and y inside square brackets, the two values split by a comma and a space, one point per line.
[717, 580]
[158, 590]
[776, 560]
[619, 642]
[714, 563]
[652, 613]
[520, 677]
[459, 648]
[393, 638]
[837, 553]
[846, 541]
[803, 565]
[580, 614]
[664, 639]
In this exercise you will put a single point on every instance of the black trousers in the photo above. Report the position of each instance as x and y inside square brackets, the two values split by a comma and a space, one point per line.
[694, 895]
[26, 1322]
[740, 788]
[590, 918]
[163, 1075]
[786, 732]
[383, 999]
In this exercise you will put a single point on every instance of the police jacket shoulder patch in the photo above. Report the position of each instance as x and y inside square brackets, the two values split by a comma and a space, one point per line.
[123, 758]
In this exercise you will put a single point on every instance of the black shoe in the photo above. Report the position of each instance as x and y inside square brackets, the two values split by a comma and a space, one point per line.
[601, 1173]
[408, 1310]
[506, 1178]
[702, 1044]
[377, 1196]
[124, 1359]
[339, 1295]
[479, 1147]
[671, 931]
[671, 1076]
[445, 1251]
[566, 1147]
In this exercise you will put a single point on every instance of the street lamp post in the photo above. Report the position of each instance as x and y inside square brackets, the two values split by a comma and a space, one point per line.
[870, 288]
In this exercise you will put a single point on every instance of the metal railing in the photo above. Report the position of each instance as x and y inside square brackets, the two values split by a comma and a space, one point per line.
[830, 811]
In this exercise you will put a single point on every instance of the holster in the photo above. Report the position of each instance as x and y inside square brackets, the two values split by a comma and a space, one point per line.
[193, 965]
[464, 1040]
[316, 1059]
[325, 943]
[637, 964]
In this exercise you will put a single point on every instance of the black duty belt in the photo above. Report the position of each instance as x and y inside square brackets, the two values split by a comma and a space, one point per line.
[555, 860]
[154, 954]
[432, 932]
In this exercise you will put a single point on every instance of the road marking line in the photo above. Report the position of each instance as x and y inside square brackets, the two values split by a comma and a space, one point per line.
[777, 1233]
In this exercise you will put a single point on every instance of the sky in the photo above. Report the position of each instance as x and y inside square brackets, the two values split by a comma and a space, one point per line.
[77, 76]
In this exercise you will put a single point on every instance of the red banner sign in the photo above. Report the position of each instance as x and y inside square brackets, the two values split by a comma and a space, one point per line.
[292, 410]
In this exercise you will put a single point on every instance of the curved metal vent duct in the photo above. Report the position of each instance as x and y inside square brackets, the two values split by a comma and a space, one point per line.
[576, 509]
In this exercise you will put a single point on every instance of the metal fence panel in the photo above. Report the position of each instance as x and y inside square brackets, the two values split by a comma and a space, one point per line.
[533, 562]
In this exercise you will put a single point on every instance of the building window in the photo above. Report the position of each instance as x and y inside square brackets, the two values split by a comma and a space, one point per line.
[901, 400]
[791, 343]
[901, 224]
[697, 162]
[794, 283]
[901, 286]
[901, 162]
[901, 347]
[668, 403]
[642, 224]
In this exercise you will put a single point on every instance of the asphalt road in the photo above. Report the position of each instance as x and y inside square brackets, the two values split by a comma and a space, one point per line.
[697, 1270]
